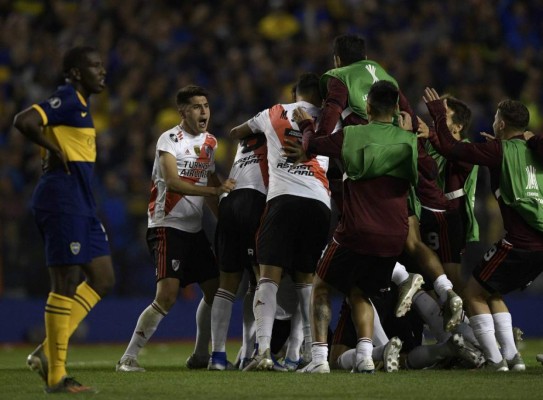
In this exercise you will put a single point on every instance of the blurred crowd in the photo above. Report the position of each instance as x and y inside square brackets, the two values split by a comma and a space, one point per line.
[248, 54]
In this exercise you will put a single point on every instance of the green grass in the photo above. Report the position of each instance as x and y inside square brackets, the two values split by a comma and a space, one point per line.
[168, 378]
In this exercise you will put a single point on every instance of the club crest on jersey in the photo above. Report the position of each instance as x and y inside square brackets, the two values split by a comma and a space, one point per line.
[175, 265]
[197, 150]
[75, 247]
[54, 102]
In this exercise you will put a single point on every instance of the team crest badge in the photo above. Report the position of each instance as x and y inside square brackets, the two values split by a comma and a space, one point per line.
[54, 102]
[175, 265]
[75, 247]
[197, 150]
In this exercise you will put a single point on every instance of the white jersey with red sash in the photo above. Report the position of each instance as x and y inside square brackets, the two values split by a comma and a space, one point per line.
[195, 161]
[305, 179]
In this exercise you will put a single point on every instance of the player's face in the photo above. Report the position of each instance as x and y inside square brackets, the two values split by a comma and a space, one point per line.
[454, 128]
[92, 74]
[195, 115]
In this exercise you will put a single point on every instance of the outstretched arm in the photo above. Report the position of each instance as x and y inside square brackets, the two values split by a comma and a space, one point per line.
[489, 154]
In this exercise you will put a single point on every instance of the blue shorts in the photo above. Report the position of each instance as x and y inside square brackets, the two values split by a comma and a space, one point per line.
[71, 239]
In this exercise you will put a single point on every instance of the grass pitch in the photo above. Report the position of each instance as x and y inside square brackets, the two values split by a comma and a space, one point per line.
[168, 378]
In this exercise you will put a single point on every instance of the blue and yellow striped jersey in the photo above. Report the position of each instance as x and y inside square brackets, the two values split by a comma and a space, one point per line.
[67, 121]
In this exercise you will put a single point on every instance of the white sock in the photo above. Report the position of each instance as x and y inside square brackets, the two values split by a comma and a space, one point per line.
[377, 352]
[145, 328]
[221, 311]
[465, 330]
[347, 359]
[296, 337]
[483, 328]
[319, 352]
[265, 307]
[203, 328]
[504, 333]
[249, 326]
[364, 348]
[399, 274]
[427, 355]
[442, 285]
[429, 311]
[379, 336]
[303, 290]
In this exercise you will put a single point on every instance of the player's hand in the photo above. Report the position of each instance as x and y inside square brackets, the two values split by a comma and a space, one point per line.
[423, 131]
[294, 151]
[405, 122]
[430, 94]
[58, 157]
[227, 186]
[487, 136]
[300, 115]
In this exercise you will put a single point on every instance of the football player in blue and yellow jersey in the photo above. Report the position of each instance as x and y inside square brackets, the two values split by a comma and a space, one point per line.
[65, 211]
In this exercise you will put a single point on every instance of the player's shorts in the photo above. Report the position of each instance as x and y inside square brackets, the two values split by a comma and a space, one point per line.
[293, 233]
[185, 256]
[342, 269]
[444, 233]
[504, 268]
[238, 222]
[71, 239]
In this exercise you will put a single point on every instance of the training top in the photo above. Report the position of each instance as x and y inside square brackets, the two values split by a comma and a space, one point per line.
[307, 179]
[374, 220]
[68, 123]
[195, 156]
[491, 154]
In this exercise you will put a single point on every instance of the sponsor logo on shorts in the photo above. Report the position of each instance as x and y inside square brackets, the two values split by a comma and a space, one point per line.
[75, 247]
[175, 265]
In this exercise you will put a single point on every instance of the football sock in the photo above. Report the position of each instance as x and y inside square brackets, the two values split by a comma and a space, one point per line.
[145, 328]
[319, 352]
[428, 355]
[84, 300]
[379, 335]
[377, 352]
[464, 328]
[399, 274]
[265, 307]
[249, 326]
[442, 285]
[57, 330]
[364, 348]
[483, 328]
[504, 333]
[303, 290]
[203, 328]
[346, 360]
[221, 311]
[430, 312]
[295, 338]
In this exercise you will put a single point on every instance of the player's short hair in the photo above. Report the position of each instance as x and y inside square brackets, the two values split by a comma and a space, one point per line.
[383, 98]
[350, 48]
[186, 93]
[307, 84]
[76, 57]
[461, 113]
[514, 113]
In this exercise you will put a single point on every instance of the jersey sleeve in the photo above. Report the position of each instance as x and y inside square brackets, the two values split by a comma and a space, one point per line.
[57, 109]
[260, 122]
[166, 142]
